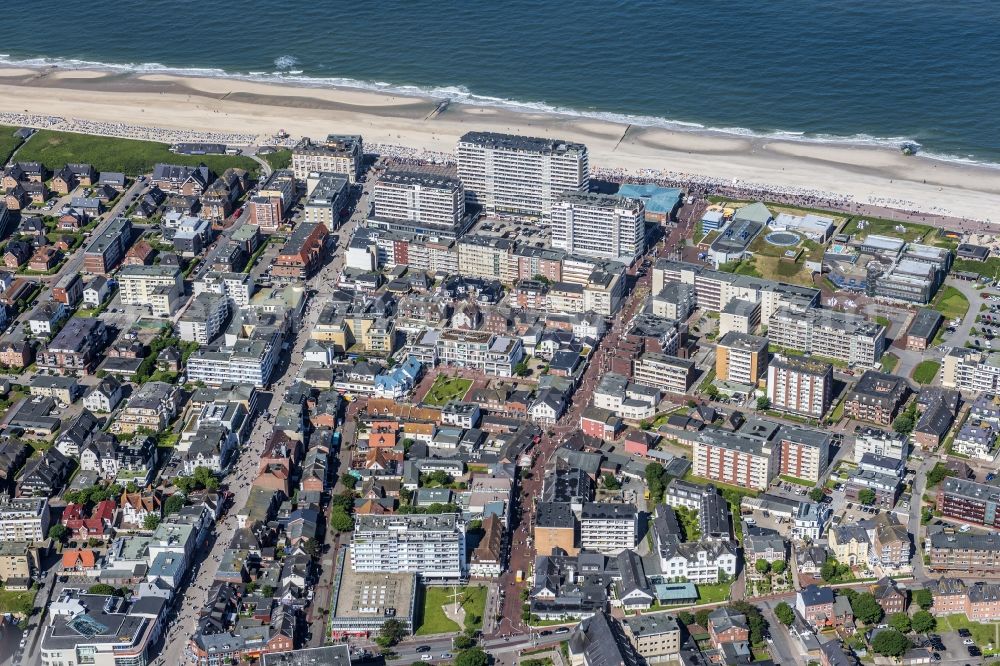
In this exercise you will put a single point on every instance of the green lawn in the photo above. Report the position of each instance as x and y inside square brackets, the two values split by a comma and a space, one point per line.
[883, 321]
[129, 156]
[708, 594]
[797, 481]
[989, 268]
[981, 633]
[925, 372]
[8, 143]
[951, 302]
[889, 362]
[446, 389]
[884, 227]
[18, 603]
[432, 618]
[280, 159]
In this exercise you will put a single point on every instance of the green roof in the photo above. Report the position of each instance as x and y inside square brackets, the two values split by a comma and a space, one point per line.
[755, 212]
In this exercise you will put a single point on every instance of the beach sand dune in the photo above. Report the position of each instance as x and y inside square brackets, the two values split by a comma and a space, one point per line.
[869, 175]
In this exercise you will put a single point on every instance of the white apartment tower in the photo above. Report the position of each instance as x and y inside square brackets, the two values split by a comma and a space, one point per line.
[432, 545]
[420, 203]
[520, 176]
[598, 225]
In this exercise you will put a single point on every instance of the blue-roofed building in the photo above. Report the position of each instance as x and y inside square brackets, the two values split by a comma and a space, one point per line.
[670, 594]
[399, 381]
[660, 201]
[168, 567]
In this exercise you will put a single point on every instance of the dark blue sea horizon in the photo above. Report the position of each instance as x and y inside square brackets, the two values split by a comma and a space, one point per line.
[863, 72]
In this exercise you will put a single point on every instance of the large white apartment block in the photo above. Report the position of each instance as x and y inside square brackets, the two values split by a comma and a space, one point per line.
[432, 545]
[598, 225]
[714, 290]
[880, 443]
[634, 402]
[420, 203]
[24, 519]
[971, 371]
[203, 318]
[244, 362]
[739, 460]
[489, 353]
[800, 386]
[338, 154]
[667, 373]
[158, 287]
[520, 176]
[837, 335]
[608, 527]
[237, 287]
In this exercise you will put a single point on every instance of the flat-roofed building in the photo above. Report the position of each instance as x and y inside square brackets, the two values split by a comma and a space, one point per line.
[971, 371]
[845, 337]
[734, 458]
[486, 256]
[923, 328]
[203, 318]
[804, 452]
[337, 154]
[432, 545]
[656, 637]
[800, 386]
[489, 353]
[364, 601]
[740, 358]
[668, 373]
[108, 249]
[969, 502]
[421, 203]
[608, 527]
[739, 316]
[598, 225]
[520, 176]
[24, 518]
[157, 286]
[327, 200]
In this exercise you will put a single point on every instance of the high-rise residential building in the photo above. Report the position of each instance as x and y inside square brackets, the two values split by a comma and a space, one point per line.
[24, 518]
[520, 176]
[159, 287]
[970, 502]
[598, 225]
[800, 386]
[740, 358]
[668, 373]
[971, 370]
[421, 203]
[608, 527]
[837, 335]
[804, 452]
[735, 458]
[432, 545]
[338, 154]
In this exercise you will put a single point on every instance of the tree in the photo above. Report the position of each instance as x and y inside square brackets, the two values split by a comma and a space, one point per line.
[391, 632]
[755, 620]
[348, 480]
[463, 642]
[923, 622]
[937, 474]
[923, 598]
[866, 496]
[763, 403]
[341, 521]
[312, 548]
[58, 532]
[816, 494]
[472, 657]
[890, 643]
[829, 570]
[865, 608]
[762, 566]
[686, 617]
[610, 482]
[151, 522]
[784, 613]
[655, 481]
[521, 369]
[711, 392]
[900, 622]
[778, 567]
[174, 503]
[101, 588]
[701, 617]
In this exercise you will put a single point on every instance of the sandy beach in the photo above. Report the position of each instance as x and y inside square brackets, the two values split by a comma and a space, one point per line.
[866, 175]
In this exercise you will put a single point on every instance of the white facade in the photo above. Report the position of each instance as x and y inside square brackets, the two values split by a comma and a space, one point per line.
[24, 519]
[432, 545]
[204, 318]
[800, 387]
[837, 335]
[519, 176]
[608, 528]
[419, 202]
[156, 287]
[598, 225]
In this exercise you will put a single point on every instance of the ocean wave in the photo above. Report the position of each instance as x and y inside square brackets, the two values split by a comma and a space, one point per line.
[462, 95]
